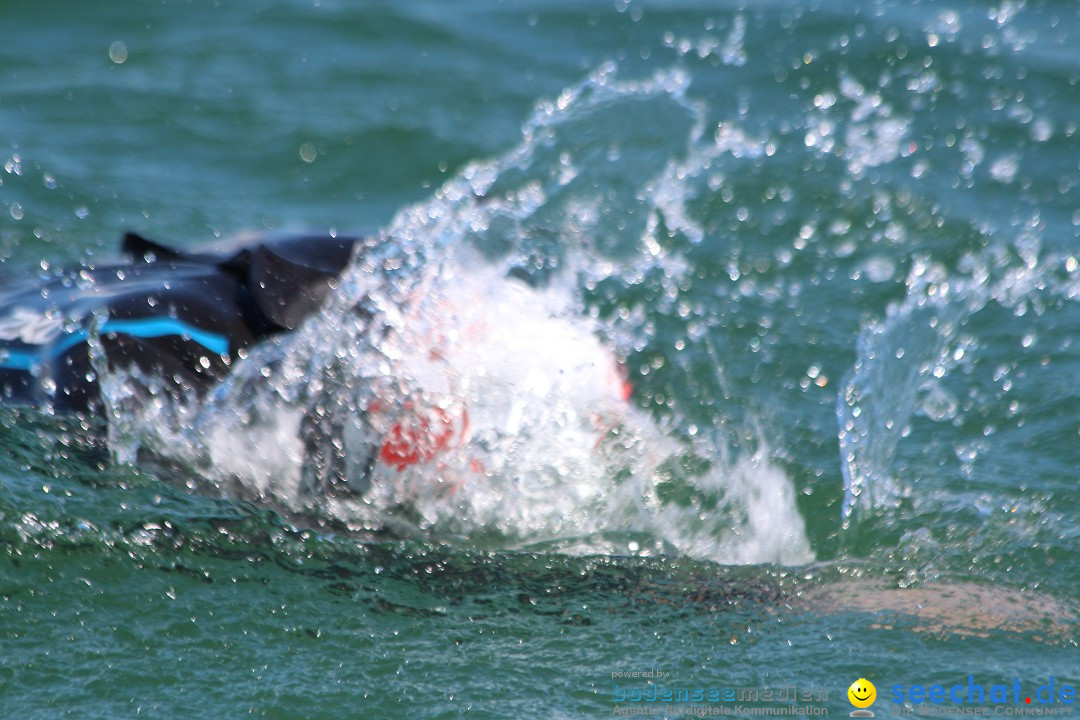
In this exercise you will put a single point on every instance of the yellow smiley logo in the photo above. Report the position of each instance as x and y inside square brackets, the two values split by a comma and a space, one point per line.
[862, 693]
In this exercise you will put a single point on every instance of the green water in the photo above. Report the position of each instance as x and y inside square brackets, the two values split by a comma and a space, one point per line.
[863, 273]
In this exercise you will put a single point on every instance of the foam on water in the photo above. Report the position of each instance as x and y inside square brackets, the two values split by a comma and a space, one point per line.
[459, 382]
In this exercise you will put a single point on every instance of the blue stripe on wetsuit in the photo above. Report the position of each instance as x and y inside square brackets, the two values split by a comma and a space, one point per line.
[143, 327]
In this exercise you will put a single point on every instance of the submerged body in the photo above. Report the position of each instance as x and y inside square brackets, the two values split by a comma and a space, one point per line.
[180, 317]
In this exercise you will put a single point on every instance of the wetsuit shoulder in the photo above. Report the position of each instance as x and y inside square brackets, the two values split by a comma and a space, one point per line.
[177, 315]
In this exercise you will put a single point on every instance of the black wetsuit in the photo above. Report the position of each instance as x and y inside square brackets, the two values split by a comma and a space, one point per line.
[174, 315]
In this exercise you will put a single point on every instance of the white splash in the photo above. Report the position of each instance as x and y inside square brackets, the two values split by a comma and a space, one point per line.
[468, 405]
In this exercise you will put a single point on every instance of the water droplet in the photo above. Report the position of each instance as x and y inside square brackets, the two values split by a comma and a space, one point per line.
[118, 52]
[879, 268]
[938, 403]
[1004, 169]
[14, 165]
[1041, 130]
